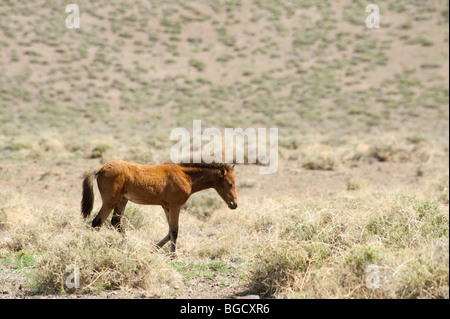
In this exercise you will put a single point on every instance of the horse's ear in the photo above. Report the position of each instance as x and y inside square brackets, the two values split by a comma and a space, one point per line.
[222, 172]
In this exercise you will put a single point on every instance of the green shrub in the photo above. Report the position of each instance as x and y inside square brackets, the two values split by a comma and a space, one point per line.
[225, 37]
[361, 257]
[199, 65]
[99, 150]
[278, 267]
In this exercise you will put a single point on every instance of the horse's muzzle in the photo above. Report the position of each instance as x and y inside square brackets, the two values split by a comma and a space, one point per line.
[232, 205]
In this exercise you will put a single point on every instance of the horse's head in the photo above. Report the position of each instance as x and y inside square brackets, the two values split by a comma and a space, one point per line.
[226, 186]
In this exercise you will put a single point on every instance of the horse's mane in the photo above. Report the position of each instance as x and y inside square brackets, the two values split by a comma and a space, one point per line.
[213, 165]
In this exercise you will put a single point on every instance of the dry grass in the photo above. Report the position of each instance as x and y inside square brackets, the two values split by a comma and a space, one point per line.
[321, 250]
[278, 247]
[56, 237]
[356, 183]
[320, 158]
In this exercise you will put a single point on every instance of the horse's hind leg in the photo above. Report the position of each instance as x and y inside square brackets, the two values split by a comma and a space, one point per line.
[163, 241]
[110, 191]
[104, 212]
[117, 215]
[101, 216]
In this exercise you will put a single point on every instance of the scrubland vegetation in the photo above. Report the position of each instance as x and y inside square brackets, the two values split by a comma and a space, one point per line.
[279, 247]
[363, 121]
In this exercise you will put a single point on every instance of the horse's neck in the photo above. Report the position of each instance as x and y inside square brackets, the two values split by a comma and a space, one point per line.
[201, 178]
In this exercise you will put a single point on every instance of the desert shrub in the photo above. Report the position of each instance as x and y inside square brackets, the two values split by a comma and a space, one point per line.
[278, 267]
[3, 219]
[322, 249]
[440, 187]
[360, 257]
[390, 151]
[225, 37]
[134, 218]
[99, 150]
[407, 222]
[199, 65]
[139, 154]
[356, 183]
[427, 276]
[203, 205]
[106, 261]
[320, 161]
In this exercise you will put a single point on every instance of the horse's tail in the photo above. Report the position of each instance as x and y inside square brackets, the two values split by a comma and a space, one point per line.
[87, 202]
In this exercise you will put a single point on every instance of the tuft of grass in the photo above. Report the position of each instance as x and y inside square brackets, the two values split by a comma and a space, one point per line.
[319, 159]
[356, 183]
[203, 205]
[197, 64]
[134, 218]
[361, 257]
[441, 188]
[99, 150]
[278, 267]
[225, 37]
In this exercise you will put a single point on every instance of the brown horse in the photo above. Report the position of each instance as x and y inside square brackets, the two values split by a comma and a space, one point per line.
[168, 185]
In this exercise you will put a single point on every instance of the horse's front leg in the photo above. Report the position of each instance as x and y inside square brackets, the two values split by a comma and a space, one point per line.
[163, 241]
[174, 213]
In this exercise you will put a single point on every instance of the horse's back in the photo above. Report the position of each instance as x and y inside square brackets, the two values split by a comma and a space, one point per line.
[117, 167]
[132, 169]
[143, 184]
